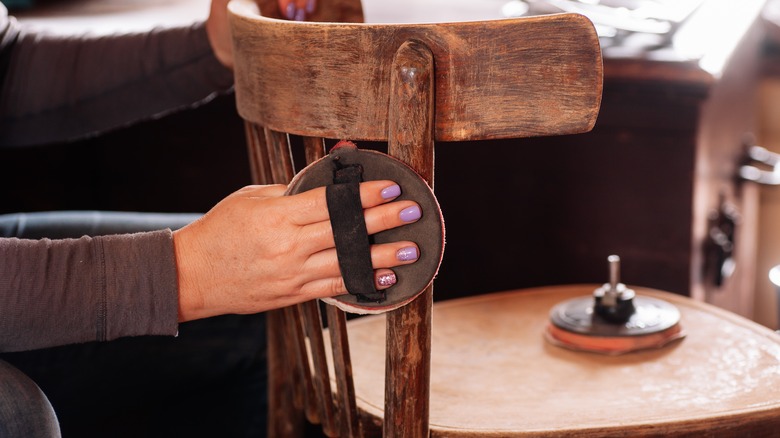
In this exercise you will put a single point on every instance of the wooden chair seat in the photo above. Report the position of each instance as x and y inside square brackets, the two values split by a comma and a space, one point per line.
[494, 374]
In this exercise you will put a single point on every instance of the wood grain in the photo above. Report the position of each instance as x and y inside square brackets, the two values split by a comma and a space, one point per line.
[494, 79]
[493, 373]
[349, 422]
[408, 334]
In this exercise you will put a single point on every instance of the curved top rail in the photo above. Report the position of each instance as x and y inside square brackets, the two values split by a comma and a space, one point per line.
[494, 79]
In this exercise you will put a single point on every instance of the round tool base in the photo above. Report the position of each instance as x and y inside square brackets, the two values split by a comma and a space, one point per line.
[574, 325]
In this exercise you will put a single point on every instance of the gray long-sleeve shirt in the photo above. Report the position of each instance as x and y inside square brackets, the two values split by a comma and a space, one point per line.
[56, 292]
[55, 88]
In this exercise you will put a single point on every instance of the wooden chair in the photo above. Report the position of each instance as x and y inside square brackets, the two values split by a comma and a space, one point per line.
[408, 85]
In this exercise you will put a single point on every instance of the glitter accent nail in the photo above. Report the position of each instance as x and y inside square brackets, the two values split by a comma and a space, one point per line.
[391, 192]
[406, 254]
[388, 279]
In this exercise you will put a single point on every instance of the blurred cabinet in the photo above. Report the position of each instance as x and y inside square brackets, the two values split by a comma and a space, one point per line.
[653, 182]
[768, 135]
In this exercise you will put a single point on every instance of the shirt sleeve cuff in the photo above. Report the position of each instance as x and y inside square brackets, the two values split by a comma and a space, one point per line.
[141, 290]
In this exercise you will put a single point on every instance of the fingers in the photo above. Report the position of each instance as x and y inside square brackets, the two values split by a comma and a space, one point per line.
[372, 193]
[297, 10]
[309, 211]
[261, 191]
[334, 286]
[394, 215]
[311, 206]
[386, 255]
[319, 274]
[379, 218]
[323, 276]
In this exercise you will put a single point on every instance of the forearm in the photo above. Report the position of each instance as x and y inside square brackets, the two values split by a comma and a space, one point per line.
[60, 88]
[56, 292]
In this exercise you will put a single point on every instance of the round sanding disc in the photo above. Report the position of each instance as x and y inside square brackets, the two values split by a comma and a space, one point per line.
[427, 233]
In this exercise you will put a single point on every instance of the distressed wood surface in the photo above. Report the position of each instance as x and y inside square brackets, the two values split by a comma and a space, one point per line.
[305, 397]
[494, 79]
[493, 373]
[408, 332]
[312, 320]
[284, 420]
[349, 422]
[271, 163]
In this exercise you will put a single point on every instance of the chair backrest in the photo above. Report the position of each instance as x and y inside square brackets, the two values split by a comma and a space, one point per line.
[409, 85]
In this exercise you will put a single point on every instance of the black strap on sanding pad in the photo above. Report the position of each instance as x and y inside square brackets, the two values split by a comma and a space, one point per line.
[353, 245]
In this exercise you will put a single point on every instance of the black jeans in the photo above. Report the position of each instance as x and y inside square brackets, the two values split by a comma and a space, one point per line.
[207, 382]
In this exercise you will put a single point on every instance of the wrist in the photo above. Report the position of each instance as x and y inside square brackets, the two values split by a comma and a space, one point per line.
[191, 303]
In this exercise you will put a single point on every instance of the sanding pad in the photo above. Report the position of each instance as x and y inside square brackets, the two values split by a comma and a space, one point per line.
[427, 233]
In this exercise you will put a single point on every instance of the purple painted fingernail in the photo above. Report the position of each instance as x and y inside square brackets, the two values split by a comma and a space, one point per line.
[310, 5]
[410, 214]
[300, 15]
[406, 254]
[289, 11]
[391, 192]
[388, 279]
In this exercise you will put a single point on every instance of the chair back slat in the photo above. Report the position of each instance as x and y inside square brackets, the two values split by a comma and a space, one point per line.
[314, 148]
[259, 164]
[292, 394]
[272, 162]
[291, 346]
[408, 338]
[284, 420]
[304, 390]
[279, 156]
[338, 418]
[349, 422]
[494, 79]
[312, 320]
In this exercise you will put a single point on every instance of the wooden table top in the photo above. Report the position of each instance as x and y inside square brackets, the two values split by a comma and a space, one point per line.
[492, 370]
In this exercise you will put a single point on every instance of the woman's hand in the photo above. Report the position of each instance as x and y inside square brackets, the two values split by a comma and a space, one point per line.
[218, 32]
[218, 29]
[258, 250]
